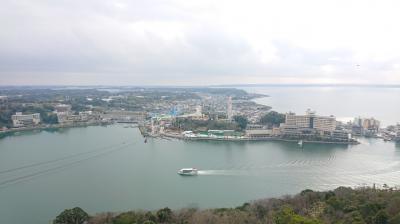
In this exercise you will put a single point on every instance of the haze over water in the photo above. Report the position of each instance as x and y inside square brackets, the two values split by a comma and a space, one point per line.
[382, 103]
[112, 169]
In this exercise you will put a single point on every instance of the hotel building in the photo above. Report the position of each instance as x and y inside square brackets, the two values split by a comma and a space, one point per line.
[23, 120]
[311, 125]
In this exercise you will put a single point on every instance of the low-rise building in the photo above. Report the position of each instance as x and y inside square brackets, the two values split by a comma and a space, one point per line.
[24, 120]
[69, 118]
[3, 99]
[259, 133]
[62, 108]
[125, 116]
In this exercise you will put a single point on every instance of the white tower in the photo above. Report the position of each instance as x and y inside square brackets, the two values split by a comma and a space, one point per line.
[153, 128]
[229, 111]
[199, 110]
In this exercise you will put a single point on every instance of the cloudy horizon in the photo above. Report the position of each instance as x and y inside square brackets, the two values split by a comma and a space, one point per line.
[191, 43]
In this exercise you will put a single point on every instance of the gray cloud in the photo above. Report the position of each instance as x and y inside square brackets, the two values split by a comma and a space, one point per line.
[151, 42]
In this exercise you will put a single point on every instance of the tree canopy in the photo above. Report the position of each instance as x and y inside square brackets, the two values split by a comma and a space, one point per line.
[241, 121]
[72, 216]
[272, 118]
[340, 206]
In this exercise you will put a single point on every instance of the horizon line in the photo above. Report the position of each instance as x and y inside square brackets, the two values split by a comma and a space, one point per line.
[216, 85]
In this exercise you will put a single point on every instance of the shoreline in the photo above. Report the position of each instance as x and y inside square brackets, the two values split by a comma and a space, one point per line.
[46, 127]
[247, 139]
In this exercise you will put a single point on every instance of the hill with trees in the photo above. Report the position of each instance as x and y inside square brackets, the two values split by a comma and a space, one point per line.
[340, 206]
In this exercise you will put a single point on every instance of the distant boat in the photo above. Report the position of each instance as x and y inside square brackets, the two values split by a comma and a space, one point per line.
[188, 172]
[145, 140]
[300, 143]
[386, 139]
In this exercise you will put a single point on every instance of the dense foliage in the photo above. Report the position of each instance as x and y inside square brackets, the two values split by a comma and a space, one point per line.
[272, 118]
[241, 121]
[72, 216]
[44, 109]
[340, 206]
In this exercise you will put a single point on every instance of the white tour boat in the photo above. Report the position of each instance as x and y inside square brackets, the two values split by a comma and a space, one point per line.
[188, 171]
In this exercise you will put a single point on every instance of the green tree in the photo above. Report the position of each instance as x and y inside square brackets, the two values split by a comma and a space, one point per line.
[241, 121]
[287, 216]
[125, 218]
[164, 215]
[72, 216]
[395, 219]
[381, 217]
[336, 203]
[272, 118]
[354, 218]
[49, 118]
[149, 222]
[149, 216]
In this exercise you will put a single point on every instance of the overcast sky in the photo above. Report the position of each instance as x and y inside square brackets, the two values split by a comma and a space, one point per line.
[183, 42]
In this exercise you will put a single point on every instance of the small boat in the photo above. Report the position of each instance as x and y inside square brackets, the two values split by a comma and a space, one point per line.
[188, 172]
[300, 143]
[145, 140]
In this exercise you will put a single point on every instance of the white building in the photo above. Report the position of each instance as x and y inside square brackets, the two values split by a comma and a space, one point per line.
[23, 120]
[310, 121]
[3, 99]
[68, 117]
[311, 125]
[62, 108]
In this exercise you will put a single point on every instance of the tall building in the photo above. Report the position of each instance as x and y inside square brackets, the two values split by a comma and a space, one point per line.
[308, 124]
[370, 124]
[229, 110]
[23, 120]
[199, 110]
[366, 126]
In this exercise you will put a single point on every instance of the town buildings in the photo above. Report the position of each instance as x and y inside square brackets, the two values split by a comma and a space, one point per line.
[3, 99]
[66, 116]
[62, 108]
[365, 126]
[24, 120]
[125, 116]
[397, 133]
[312, 126]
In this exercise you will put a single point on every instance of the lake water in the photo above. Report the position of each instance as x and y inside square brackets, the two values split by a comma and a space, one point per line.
[343, 102]
[112, 169]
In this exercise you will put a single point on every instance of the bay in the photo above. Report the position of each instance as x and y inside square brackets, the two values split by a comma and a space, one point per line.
[111, 168]
[344, 102]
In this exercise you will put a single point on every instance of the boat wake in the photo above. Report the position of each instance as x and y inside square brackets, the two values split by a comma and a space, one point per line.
[221, 172]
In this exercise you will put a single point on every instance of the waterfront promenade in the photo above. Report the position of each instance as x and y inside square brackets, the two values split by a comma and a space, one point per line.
[177, 135]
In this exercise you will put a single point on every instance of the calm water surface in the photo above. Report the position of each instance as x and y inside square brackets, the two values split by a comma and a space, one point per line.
[112, 169]
[343, 102]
